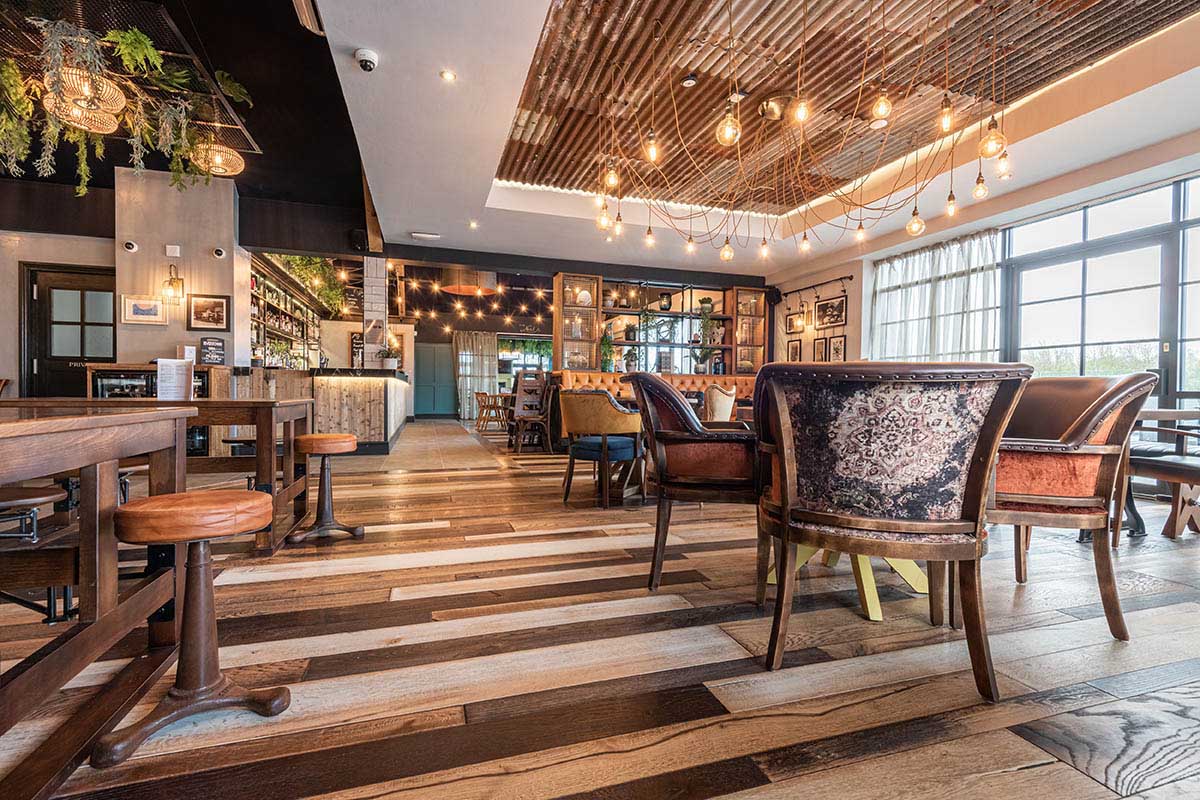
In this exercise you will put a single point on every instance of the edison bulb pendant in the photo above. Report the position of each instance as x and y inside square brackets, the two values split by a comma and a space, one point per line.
[946, 118]
[612, 178]
[727, 251]
[860, 234]
[798, 111]
[993, 142]
[649, 237]
[951, 205]
[690, 245]
[729, 130]
[881, 109]
[763, 249]
[652, 151]
[618, 225]
[805, 244]
[916, 225]
[981, 188]
[603, 220]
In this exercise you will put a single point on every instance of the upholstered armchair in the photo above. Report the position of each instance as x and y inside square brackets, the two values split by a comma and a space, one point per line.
[1061, 465]
[883, 460]
[601, 430]
[690, 461]
[718, 403]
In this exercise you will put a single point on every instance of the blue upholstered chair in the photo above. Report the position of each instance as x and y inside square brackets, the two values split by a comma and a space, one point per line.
[602, 431]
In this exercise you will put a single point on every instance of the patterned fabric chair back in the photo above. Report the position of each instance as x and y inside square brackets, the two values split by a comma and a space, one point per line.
[900, 447]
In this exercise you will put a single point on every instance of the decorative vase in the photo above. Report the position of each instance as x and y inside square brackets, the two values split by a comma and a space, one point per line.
[664, 301]
[392, 364]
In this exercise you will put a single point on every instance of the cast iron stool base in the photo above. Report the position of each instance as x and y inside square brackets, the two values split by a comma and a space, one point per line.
[325, 525]
[199, 683]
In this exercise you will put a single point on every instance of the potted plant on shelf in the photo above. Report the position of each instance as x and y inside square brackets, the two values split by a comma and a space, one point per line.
[708, 336]
[279, 353]
[606, 353]
[706, 305]
[390, 356]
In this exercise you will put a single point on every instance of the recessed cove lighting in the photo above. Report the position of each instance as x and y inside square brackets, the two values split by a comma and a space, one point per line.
[689, 80]
[424, 235]
[448, 75]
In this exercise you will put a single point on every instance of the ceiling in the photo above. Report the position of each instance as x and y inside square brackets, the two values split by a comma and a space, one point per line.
[432, 150]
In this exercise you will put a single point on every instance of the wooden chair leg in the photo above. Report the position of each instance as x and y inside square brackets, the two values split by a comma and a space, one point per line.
[764, 568]
[1106, 577]
[864, 579]
[971, 596]
[661, 525]
[910, 573]
[605, 481]
[786, 570]
[1020, 551]
[952, 595]
[567, 478]
[937, 589]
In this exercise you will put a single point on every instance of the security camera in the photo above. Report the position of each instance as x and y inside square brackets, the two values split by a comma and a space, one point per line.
[218, 252]
[367, 59]
[131, 247]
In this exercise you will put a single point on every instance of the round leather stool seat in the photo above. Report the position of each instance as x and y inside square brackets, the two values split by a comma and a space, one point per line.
[29, 496]
[323, 444]
[192, 516]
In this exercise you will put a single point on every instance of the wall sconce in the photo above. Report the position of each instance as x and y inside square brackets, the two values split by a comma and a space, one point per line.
[172, 287]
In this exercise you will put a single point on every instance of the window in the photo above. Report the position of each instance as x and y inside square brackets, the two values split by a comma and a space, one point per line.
[1046, 234]
[1130, 213]
[940, 303]
[1189, 312]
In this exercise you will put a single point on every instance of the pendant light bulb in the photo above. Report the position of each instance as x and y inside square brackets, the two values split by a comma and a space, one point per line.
[727, 251]
[652, 151]
[618, 225]
[981, 188]
[649, 237]
[798, 111]
[805, 244]
[860, 233]
[946, 118]
[763, 249]
[612, 178]
[993, 142]
[881, 109]
[690, 245]
[916, 225]
[1004, 167]
[729, 130]
[604, 221]
[951, 204]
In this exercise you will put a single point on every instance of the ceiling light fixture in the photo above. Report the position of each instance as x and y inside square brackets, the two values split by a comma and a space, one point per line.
[618, 225]
[424, 235]
[805, 244]
[448, 75]
[90, 120]
[726, 253]
[763, 250]
[612, 178]
[881, 109]
[951, 204]
[88, 91]
[798, 112]
[649, 237]
[690, 245]
[981, 188]
[688, 81]
[860, 233]
[217, 159]
[473, 224]
[652, 151]
[603, 220]
[1004, 167]
[947, 116]
[993, 142]
[916, 225]
[729, 130]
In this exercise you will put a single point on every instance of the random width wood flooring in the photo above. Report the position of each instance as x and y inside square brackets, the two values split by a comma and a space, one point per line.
[486, 641]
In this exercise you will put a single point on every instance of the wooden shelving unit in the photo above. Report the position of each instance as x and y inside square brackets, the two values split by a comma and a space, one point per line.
[749, 330]
[279, 313]
[577, 328]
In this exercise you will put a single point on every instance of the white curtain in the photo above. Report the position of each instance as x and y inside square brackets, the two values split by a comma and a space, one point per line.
[475, 369]
[940, 303]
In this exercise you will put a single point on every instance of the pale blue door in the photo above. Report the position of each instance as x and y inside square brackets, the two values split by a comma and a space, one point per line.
[433, 380]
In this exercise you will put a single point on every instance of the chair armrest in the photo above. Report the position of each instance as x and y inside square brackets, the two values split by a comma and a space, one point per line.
[1056, 446]
[742, 436]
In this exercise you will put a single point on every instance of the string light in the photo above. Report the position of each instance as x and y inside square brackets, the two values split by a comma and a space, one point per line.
[507, 320]
[446, 329]
[343, 276]
[435, 287]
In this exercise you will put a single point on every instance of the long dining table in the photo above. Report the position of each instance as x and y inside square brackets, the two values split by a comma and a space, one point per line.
[38, 442]
[266, 415]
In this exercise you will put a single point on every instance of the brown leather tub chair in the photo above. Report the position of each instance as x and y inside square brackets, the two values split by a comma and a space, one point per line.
[1061, 463]
[690, 461]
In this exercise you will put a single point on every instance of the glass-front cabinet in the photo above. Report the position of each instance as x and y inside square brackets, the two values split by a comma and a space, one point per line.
[285, 329]
[749, 329]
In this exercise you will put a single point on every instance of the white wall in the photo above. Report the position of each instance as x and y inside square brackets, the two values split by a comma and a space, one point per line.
[858, 291]
[39, 248]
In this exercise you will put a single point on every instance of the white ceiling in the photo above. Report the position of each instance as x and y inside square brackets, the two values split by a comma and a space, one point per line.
[430, 149]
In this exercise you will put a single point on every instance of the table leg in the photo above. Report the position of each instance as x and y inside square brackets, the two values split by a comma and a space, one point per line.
[264, 473]
[300, 472]
[97, 540]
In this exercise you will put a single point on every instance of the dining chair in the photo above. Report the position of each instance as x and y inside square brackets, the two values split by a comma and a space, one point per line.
[886, 460]
[1062, 464]
[600, 430]
[1179, 468]
[718, 403]
[530, 410]
[481, 405]
[690, 461]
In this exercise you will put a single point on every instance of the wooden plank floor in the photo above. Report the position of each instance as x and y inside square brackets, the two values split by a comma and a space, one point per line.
[483, 640]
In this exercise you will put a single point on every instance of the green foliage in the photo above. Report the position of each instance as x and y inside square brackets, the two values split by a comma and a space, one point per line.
[83, 169]
[327, 288]
[542, 348]
[16, 110]
[172, 78]
[135, 50]
[708, 326]
[232, 89]
[387, 351]
[606, 352]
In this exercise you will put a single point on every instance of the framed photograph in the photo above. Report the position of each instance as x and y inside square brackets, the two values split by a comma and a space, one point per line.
[143, 309]
[794, 350]
[837, 348]
[820, 349]
[830, 313]
[208, 312]
[795, 322]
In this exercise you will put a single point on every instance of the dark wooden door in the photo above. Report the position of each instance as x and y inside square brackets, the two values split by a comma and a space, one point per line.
[70, 321]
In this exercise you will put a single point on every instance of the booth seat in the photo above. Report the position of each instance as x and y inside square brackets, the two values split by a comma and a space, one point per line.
[611, 381]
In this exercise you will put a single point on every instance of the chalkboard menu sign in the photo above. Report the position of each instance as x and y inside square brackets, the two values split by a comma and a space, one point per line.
[212, 350]
[356, 350]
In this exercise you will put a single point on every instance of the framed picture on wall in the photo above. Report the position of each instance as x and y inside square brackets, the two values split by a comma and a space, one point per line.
[794, 350]
[830, 313]
[820, 349]
[139, 309]
[795, 322]
[208, 312]
[837, 348]
[356, 350]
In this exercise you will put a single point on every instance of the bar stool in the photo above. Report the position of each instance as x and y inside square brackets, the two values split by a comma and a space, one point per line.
[195, 518]
[124, 474]
[325, 445]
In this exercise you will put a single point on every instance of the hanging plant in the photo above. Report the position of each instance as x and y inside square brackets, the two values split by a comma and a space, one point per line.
[16, 110]
[232, 89]
[135, 50]
[139, 133]
[319, 276]
[67, 45]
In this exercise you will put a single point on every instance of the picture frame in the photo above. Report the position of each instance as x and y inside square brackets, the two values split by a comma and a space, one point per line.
[208, 312]
[794, 323]
[831, 313]
[820, 349]
[143, 309]
[795, 349]
[837, 348]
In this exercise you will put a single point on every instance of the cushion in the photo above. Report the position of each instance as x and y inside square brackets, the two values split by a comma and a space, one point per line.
[1152, 449]
[620, 448]
[326, 443]
[191, 516]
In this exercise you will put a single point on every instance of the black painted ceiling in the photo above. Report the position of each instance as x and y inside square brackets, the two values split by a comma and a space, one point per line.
[299, 117]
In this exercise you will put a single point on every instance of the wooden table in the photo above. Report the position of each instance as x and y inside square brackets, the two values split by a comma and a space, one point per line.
[264, 415]
[39, 442]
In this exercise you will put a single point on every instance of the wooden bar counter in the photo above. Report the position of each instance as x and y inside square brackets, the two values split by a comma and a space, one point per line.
[40, 441]
[265, 415]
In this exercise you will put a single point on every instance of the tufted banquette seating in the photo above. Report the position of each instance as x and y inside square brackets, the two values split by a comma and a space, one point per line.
[612, 383]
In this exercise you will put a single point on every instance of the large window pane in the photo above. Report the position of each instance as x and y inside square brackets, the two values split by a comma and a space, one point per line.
[1121, 316]
[98, 306]
[1119, 359]
[1046, 283]
[1052, 362]
[1191, 254]
[1053, 323]
[64, 341]
[1189, 311]
[64, 305]
[1045, 234]
[1191, 199]
[1130, 213]
[1189, 367]
[1123, 270]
